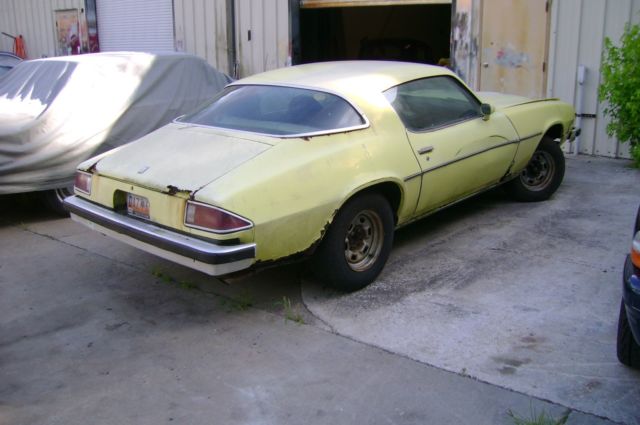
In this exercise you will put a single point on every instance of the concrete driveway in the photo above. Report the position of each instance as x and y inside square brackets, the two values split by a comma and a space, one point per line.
[488, 307]
[524, 296]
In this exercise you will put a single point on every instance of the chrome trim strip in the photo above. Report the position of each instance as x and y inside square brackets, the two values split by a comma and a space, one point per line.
[453, 161]
[292, 136]
[522, 139]
[187, 250]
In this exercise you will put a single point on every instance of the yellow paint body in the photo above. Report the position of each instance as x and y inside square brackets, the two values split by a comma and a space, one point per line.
[291, 188]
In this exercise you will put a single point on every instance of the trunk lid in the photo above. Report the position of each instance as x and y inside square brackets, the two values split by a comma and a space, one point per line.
[180, 157]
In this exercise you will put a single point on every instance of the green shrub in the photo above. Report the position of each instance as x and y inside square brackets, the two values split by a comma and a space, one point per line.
[620, 88]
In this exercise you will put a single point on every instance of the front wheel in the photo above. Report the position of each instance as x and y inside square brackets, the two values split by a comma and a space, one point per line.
[357, 244]
[542, 175]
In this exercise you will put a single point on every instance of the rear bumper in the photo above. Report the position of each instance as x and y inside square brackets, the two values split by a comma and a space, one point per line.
[198, 254]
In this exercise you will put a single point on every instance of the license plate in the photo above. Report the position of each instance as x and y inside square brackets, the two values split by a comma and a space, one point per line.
[137, 206]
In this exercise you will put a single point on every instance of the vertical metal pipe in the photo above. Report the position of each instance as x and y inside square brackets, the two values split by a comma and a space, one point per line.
[231, 39]
[582, 75]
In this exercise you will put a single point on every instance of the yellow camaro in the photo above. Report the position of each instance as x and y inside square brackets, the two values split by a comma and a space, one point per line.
[321, 160]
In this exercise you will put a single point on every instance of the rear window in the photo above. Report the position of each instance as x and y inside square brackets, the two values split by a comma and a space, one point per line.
[276, 110]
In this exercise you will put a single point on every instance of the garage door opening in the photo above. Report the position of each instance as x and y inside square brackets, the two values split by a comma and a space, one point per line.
[412, 33]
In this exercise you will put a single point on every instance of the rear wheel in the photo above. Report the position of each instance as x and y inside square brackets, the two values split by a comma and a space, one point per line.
[53, 199]
[542, 175]
[627, 349]
[357, 244]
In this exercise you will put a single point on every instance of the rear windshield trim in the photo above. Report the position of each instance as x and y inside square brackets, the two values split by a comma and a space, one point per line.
[364, 118]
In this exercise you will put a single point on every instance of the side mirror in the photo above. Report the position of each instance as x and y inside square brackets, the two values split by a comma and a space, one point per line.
[486, 111]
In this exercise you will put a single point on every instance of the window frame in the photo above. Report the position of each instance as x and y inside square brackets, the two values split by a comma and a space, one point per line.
[469, 94]
[366, 123]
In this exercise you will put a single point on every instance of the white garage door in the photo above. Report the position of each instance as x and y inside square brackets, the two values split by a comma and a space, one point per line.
[140, 25]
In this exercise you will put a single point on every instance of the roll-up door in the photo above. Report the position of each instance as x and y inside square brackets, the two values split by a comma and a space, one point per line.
[140, 25]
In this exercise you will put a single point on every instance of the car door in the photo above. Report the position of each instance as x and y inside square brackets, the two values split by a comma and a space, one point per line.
[460, 150]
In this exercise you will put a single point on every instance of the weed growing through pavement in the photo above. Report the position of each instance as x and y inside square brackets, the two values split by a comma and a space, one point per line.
[542, 418]
[243, 302]
[291, 313]
[166, 278]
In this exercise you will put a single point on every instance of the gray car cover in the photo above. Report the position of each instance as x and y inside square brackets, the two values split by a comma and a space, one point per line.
[57, 112]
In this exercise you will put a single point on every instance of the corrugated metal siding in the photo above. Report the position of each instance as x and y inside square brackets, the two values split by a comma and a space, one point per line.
[201, 29]
[578, 30]
[262, 34]
[35, 20]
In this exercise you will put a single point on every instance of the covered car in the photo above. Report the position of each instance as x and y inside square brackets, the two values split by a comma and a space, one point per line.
[323, 161]
[7, 62]
[57, 112]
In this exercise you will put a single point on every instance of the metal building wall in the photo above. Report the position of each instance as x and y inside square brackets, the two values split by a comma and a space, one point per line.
[201, 29]
[35, 20]
[578, 30]
[262, 35]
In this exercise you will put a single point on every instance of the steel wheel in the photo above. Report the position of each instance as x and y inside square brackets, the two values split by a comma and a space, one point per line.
[357, 245]
[364, 240]
[539, 172]
[542, 175]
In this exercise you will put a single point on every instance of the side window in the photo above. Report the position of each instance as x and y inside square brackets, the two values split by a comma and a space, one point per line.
[432, 102]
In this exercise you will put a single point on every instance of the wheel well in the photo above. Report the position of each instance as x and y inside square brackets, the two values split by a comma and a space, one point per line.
[555, 132]
[390, 191]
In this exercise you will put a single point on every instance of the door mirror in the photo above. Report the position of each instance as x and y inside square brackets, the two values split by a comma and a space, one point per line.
[486, 110]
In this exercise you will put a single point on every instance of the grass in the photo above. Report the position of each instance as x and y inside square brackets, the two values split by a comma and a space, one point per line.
[291, 313]
[166, 278]
[541, 418]
[243, 302]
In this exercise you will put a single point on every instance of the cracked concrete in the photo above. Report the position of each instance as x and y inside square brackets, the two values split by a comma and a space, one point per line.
[93, 331]
[524, 296]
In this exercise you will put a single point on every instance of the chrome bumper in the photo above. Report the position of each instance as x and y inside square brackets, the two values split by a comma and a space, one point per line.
[198, 254]
[573, 133]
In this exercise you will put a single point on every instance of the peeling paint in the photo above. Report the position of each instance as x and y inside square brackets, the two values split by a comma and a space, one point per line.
[510, 57]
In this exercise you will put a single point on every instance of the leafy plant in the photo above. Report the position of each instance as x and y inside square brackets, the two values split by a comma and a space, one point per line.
[620, 88]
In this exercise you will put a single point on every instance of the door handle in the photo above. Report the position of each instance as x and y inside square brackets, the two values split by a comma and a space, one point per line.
[426, 149]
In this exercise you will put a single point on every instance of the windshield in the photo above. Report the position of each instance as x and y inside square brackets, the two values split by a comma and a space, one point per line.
[276, 110]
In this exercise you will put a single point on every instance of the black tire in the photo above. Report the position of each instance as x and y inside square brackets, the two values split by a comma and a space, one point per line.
[53, 200]
[627, 348]
[542, 175]
[357, 244]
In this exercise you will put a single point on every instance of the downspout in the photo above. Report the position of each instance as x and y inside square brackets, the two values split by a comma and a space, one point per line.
[231, 39]
[582, 74]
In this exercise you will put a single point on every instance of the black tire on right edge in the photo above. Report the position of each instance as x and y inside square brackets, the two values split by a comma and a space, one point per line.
[627, 349]
[542, 175]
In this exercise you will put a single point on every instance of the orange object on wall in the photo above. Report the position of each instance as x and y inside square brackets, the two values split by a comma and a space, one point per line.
[19, 48]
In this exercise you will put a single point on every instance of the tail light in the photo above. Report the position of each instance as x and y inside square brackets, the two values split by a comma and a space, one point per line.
[82, 182]
[635, 250]
[213, 219]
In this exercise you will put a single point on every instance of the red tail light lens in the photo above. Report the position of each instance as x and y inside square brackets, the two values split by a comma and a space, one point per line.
[82, 182]
[213, 219]
[635, 251]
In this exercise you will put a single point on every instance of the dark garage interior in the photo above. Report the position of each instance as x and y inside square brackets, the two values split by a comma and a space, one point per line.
[413, 33]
